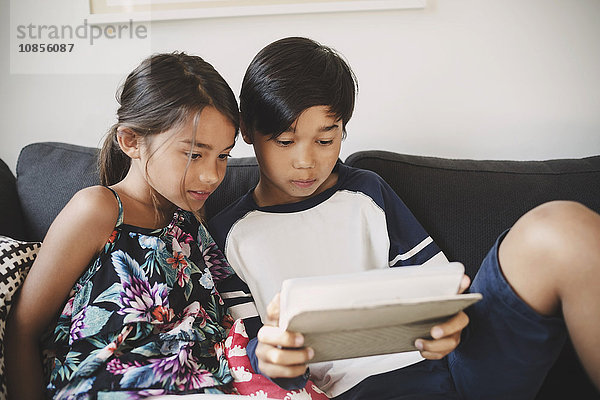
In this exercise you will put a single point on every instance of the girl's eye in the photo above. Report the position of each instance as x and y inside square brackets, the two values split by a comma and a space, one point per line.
[224, 156]
[194, 156]
[284, 143]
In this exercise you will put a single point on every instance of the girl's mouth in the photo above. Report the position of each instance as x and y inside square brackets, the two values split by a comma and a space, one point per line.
[199, 195]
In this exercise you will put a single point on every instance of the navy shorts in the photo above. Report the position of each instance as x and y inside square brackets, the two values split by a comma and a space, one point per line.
[505, 351]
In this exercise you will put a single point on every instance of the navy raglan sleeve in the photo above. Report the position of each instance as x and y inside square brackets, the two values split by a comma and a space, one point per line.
[410, 244]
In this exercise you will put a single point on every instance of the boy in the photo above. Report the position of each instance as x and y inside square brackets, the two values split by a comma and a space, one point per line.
[312, 215]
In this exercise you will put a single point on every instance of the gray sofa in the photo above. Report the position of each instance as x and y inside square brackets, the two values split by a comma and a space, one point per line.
[463, 204]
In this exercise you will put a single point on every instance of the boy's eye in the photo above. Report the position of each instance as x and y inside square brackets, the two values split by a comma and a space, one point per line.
[325, 142]
[224, 156]
[284, 143]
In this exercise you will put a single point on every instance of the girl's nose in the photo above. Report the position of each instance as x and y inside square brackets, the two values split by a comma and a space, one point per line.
[209, 173]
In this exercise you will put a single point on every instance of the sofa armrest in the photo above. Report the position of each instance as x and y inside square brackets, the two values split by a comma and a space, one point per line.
[12, 223]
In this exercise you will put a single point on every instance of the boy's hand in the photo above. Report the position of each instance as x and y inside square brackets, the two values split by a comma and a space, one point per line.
[280, 353]
[446, 336]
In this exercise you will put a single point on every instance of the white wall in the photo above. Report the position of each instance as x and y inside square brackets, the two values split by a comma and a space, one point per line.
[482, 79]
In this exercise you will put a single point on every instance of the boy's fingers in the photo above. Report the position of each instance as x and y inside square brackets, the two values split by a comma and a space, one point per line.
[464, 283]
[275, 336]
[279, 371]
[454, 325]
[283, 357]
[436, 349]
[273, 310]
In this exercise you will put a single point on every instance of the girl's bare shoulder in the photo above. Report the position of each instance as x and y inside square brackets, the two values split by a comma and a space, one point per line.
[92, 211]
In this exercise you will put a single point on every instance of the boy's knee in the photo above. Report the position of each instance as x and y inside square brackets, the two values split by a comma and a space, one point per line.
[559, 229]
[550, 250]
[562, 220]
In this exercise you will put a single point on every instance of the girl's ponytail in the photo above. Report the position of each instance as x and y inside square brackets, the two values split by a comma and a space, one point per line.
[113, 164]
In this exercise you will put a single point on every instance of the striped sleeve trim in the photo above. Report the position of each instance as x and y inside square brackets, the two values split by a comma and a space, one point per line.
[235, 294]
[412, 252]
[243, 311]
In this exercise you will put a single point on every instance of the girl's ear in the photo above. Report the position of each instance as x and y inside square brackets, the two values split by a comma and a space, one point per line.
[245, 134]
[129, 142]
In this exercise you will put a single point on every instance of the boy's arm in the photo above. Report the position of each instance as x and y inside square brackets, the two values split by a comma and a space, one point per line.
[410, 244]
[233, 290]
[240, 303]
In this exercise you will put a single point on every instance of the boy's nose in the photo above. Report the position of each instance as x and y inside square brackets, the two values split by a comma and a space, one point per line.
[304, 159]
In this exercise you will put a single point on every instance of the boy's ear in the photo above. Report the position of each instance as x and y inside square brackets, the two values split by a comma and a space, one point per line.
[245, 134]
[129, 142]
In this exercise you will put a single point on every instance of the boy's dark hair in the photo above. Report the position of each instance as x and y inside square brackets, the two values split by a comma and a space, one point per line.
[161, 93]
[290, 75]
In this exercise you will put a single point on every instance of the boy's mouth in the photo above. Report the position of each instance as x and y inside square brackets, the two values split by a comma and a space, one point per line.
[304, 183]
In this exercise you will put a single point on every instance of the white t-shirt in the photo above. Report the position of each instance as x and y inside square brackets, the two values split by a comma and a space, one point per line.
[357, 225]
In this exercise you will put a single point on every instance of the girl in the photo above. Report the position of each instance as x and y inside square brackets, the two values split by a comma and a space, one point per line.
[129, 263]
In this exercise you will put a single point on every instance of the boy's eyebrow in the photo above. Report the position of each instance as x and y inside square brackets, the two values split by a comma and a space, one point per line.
[329, 127]
[325, 128]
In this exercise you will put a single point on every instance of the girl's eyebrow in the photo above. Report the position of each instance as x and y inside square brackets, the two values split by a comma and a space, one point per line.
[204, 145]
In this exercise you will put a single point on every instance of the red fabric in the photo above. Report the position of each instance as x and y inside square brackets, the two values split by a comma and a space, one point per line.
[248, 382]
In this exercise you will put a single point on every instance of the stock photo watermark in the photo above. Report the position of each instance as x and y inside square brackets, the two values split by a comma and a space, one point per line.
[61, 38]
[50, 41]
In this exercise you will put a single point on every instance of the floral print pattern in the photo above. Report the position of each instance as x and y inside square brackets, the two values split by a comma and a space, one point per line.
[145, 318]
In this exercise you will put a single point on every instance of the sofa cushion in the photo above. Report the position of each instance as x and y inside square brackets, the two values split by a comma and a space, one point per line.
[11, 217]
[48, 175]
[16, 258]
[242, 175]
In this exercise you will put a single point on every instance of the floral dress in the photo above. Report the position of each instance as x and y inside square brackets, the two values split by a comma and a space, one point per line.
[145, 318]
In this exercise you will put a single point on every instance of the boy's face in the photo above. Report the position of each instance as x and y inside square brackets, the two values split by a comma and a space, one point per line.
[298, 164]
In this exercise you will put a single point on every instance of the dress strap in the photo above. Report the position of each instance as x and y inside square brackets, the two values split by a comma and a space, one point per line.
[120, 218]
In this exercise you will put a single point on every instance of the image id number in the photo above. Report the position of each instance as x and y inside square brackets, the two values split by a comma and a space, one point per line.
[46, 48]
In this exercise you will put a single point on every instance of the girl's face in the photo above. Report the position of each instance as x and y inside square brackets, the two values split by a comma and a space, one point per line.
[167, 156]
[298, 164]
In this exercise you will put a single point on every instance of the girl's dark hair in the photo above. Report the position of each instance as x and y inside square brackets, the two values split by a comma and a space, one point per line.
[290, 75]
[162, 92]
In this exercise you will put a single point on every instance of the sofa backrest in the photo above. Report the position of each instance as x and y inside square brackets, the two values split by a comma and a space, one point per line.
[466, 204]
[463, 204]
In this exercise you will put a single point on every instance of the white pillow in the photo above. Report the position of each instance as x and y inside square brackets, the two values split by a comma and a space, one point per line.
[16, 258]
